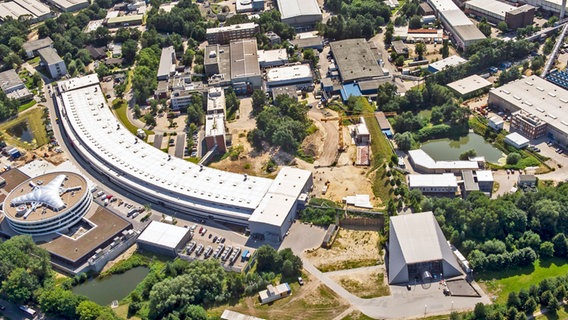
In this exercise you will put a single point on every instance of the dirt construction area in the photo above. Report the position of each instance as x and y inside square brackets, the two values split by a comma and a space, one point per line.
[351, 249]
[366, 282]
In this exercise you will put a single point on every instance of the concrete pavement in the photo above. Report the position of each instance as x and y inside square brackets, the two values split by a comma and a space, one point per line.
[402, 303]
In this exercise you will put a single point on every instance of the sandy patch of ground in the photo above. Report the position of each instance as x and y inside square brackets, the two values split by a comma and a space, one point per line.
[351, 249]
[311, 301]
[364, 283]
[125, 255]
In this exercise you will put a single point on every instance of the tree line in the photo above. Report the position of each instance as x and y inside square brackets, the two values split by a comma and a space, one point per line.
[26, 277]
[355, 18]
[513, 230]
[283, 124]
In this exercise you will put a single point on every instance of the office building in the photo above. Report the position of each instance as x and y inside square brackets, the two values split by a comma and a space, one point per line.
[444, 184]
[53, 62]
[538, 107]
[167, 67]
[13, 86]
[31, 47]
[495, 11]
[461, 29]
[298, 75]
[224, 35]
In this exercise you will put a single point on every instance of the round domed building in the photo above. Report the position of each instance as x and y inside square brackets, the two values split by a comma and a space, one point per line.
[49, 203]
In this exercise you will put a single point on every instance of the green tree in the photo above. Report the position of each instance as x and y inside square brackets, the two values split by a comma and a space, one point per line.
[560, 245]
[267, 259]
[471, 153]
[502, 26]
[19, 286]
[404, 140]
[445, 50]
[311, 55]
[419, 49]
[194, 312]
[399, 61]
[415, 22]
[546, 249]
[513, 158]
[480, 311]
[129, 49]
[232, 103]
[88, 310]
[258, 101]
[485, 28]
[59, 302]
[150, 120]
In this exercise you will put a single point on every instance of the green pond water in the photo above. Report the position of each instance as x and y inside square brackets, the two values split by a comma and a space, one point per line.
[447, 149]
[115, 287]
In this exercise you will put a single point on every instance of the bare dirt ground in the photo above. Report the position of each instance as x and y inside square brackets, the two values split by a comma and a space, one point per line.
[432, 51]
[365, 283]
[125, 255]
[324, 150]
[351, 249]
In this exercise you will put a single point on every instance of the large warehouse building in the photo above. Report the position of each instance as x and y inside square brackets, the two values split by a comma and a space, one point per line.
[538, 108]
[462, 30]
[110, 149]
[34, 10]
[553, 6]
[278, 208]
[355, 60]
[418, 249]
[300, 13]
[497, 11]
[163, 238]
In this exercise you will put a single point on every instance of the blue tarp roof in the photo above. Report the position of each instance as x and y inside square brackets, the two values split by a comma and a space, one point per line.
[350, 89]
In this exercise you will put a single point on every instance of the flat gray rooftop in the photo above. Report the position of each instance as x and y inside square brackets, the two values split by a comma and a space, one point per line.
[244, 59]
[544, 100]
[355, 60]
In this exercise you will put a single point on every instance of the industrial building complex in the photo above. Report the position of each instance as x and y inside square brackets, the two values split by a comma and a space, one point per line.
[462, 30]
[299, 13]
[33, 10]
[538, 108]
[364, 66]
[113, 151]
[497, 11]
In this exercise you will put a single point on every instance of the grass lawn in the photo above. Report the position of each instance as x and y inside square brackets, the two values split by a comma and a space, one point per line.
[560, 314]
[356, 315]
[34, 118]
[373, 288]
[26, 106]
[120, 113]
[381, 150]
[348, 264]
[319, 303]
[501, 283]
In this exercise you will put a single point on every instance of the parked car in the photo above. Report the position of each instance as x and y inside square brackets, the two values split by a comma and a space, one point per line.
[301, 281]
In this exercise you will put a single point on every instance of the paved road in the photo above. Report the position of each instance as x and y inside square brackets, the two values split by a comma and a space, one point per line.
[400, 304]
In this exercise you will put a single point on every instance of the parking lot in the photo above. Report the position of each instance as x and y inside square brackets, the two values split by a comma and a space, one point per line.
[208, 243]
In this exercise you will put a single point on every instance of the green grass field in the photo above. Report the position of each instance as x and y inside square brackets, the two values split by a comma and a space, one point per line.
[120, 113]
[381, 151]
[501, 283]
[27, 105]
[34, 118]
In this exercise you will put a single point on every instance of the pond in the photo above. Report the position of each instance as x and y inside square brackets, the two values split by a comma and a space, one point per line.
[114, 287]
[22, 131]
[447, 150]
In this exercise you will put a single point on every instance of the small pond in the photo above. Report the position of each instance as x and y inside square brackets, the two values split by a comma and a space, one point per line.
[22, 131]
[447, 149]
[114, 287]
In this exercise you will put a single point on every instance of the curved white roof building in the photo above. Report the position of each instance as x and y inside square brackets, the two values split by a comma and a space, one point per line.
[146, 171]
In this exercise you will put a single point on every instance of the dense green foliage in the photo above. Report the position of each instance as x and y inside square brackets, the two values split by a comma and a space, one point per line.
[482, 55]
[283, 261]
[27, 278]
[355, 18]
[184, 19]
[283, 124]
[508, 231]
[549, 294]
